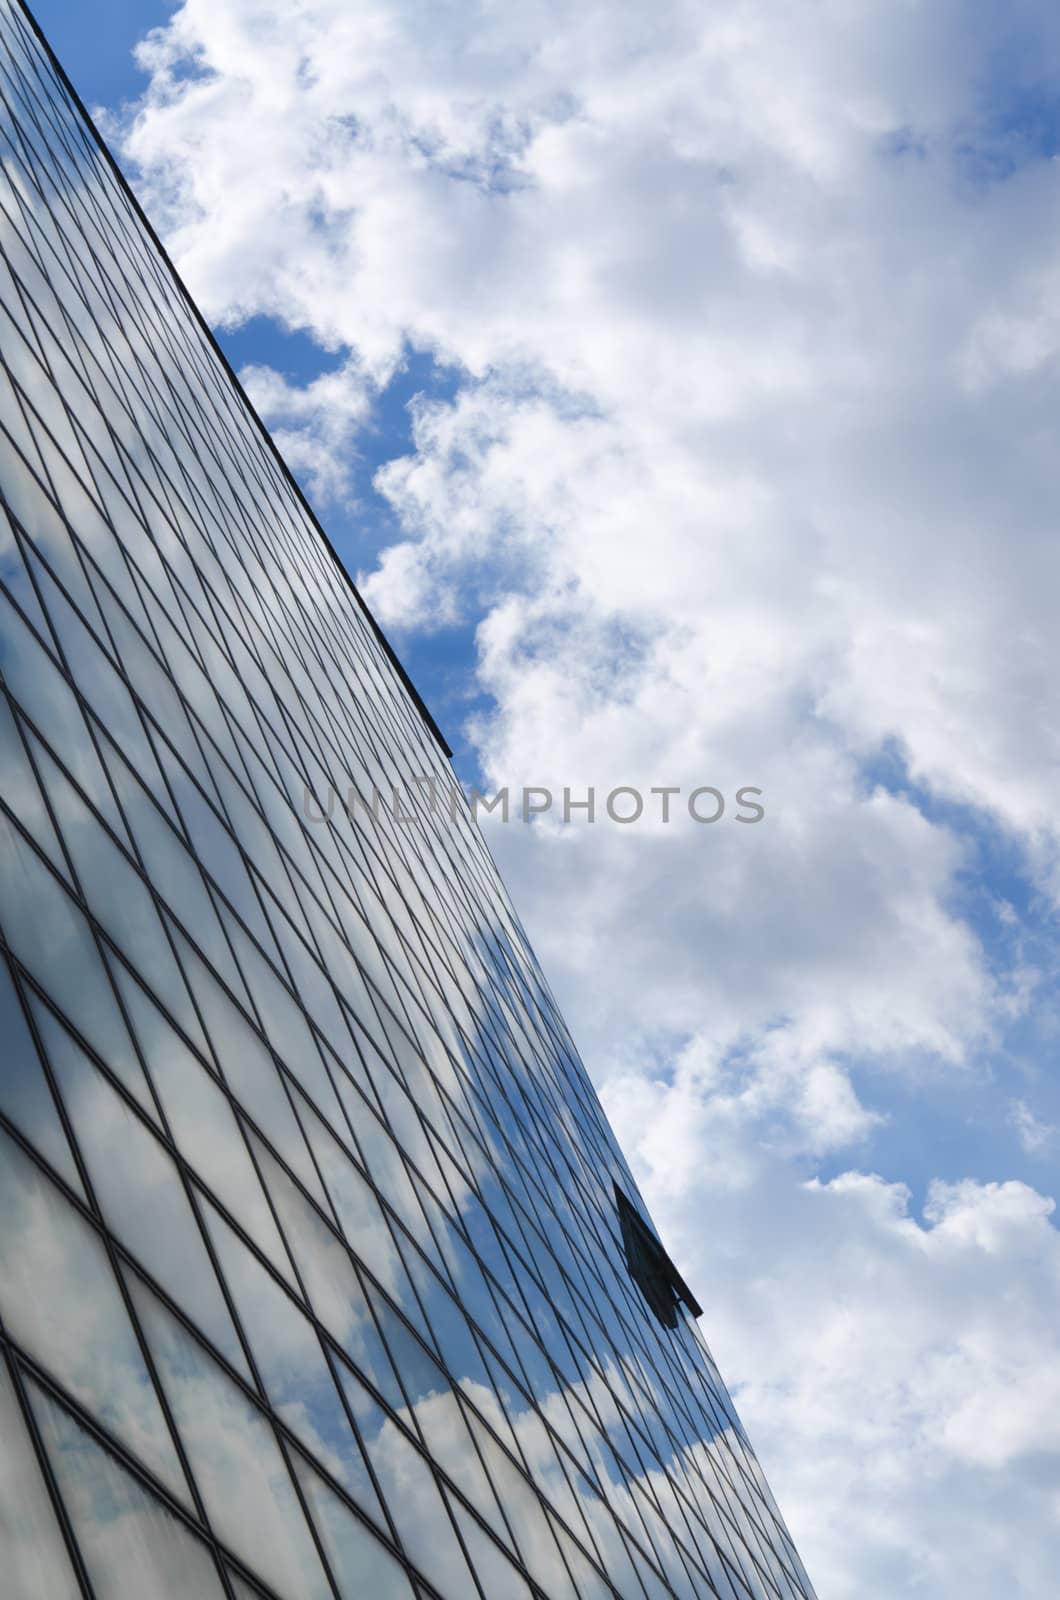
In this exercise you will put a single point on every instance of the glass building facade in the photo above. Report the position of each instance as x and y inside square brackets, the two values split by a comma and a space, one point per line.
[321, 1274]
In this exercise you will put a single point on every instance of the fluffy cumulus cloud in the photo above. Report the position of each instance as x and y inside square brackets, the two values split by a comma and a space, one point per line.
[897, 1372]
[743, 473]
[315, 426]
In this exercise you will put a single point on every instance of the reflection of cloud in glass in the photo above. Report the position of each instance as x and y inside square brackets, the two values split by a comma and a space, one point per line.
[131, 1544]
[362, 1566]
[25, 1096]
[411, 1491]
[291, 1365]
[204, 1125]
[249, 1070]
[357, 1208]
[58, 949]
[327, 1271]
[119, 899]
[21, 791]
[139, 1190]
[235, 1459]
[34, 1559]
[59, 1298]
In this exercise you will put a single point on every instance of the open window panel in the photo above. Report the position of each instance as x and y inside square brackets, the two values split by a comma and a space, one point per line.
[651, 1268]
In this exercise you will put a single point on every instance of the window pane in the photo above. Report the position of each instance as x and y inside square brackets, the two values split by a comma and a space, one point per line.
[42, 691]
[415, 1503]
[203, 1124]
[58, 1297]
[21, 789]
[57, 947]
[241, 1589]
[249, 1069]
[360, 1216]
[330, 1278]
[129, 1541]
[495, 1572]
[119, 899]
[33, 1557]
[140, 1193]
[172, 870]
[362, 1566]
[25, 1096]
[291, 1364]
[237, 1463]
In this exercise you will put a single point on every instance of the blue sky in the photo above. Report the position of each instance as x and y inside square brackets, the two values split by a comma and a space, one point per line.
[98, 52]
[681, 388]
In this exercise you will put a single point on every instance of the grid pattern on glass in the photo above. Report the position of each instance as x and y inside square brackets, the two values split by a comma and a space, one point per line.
[311, 1278]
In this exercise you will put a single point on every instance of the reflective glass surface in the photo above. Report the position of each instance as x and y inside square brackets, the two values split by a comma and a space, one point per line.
[312, 1281]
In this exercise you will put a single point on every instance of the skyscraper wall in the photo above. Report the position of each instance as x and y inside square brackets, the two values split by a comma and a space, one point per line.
[321, 1273]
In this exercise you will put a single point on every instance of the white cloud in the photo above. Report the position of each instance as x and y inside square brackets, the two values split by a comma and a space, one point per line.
[315, 427]
[1035, 1135]
[898, 1374]
[748, 479]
